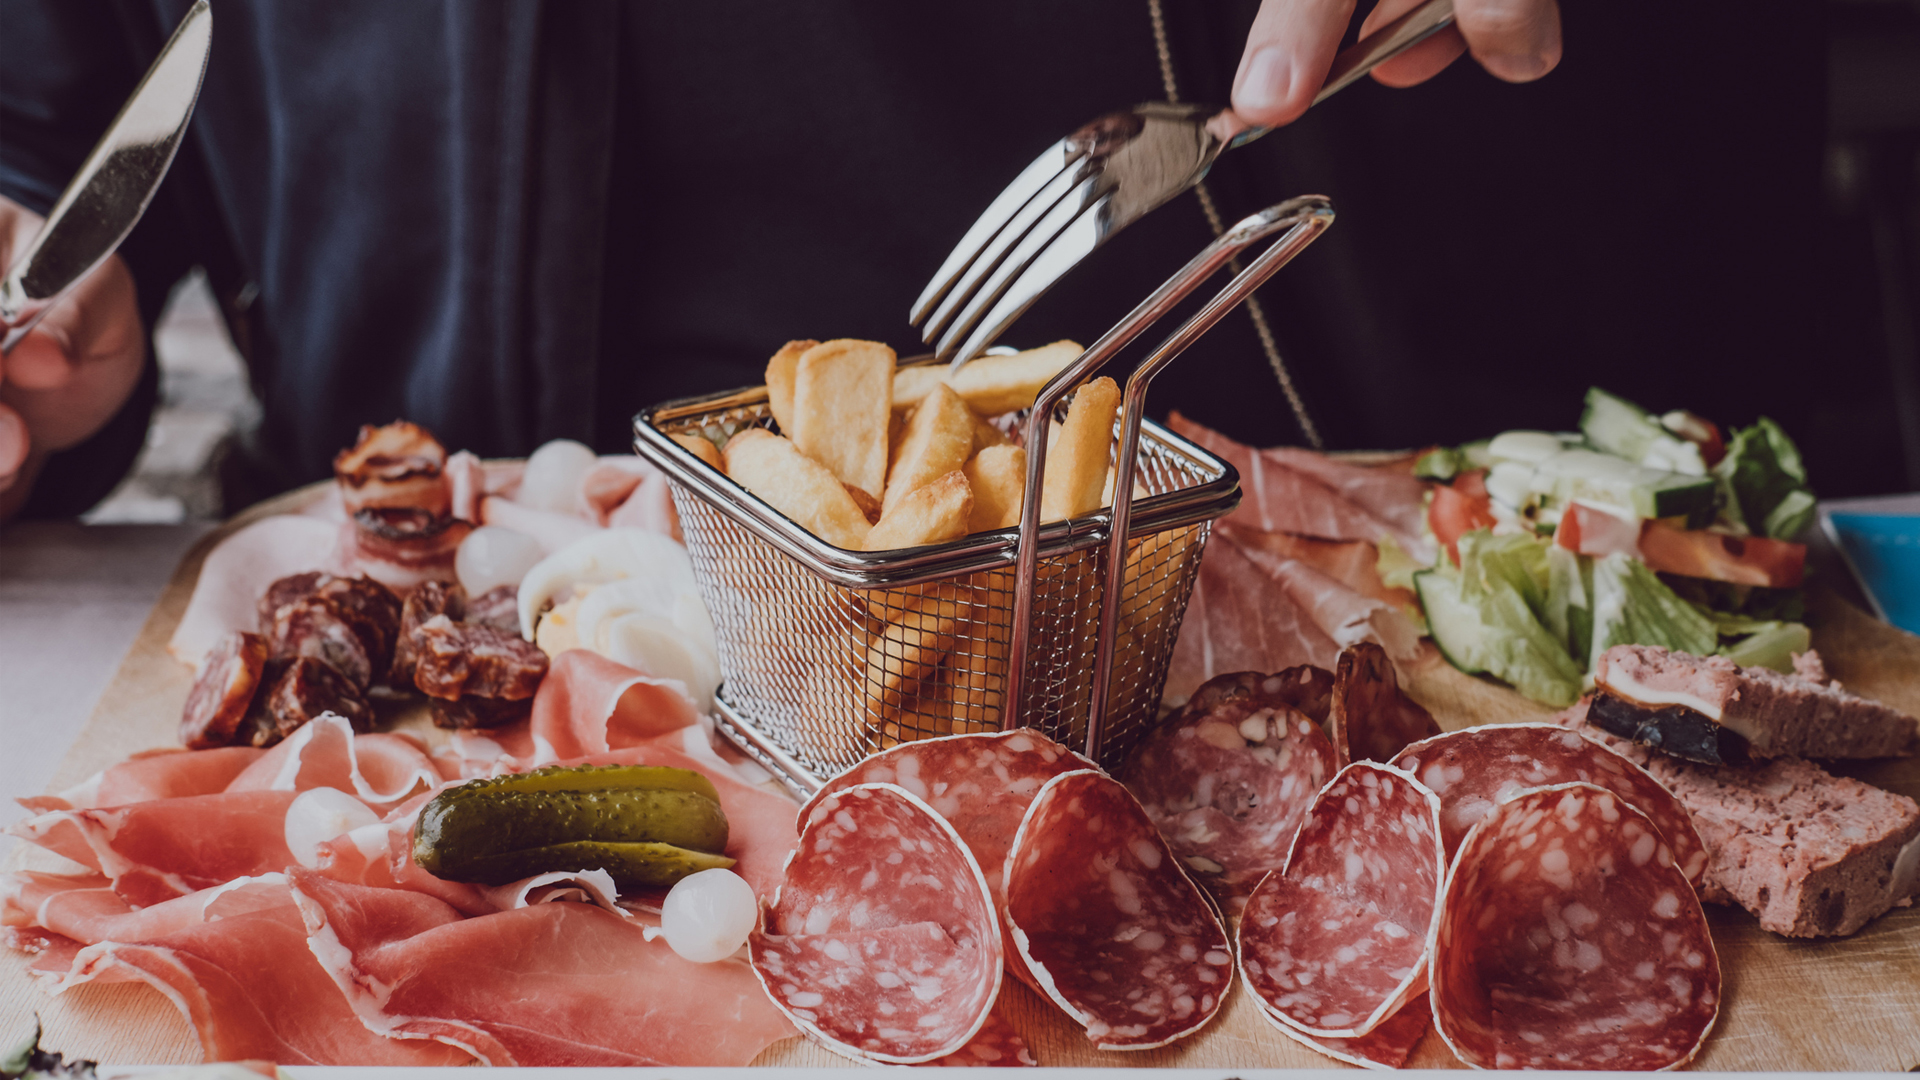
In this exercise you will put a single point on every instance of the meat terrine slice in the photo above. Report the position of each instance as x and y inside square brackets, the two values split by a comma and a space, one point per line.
[1709, 709]
[1810, 854]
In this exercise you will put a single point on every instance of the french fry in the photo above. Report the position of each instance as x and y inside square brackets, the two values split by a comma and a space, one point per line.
[780, 373]
[774, 469]
[842, 405]
[936, 441]
[1077, 459]
[702, 448]
[998, 476]
[985, 434]
[929, 514]
[911, 648]
[991, 385]
[868, 505]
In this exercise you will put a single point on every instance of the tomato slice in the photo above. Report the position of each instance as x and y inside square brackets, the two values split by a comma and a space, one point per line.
[1589, 530]
[1743, 560]
[1458, 509]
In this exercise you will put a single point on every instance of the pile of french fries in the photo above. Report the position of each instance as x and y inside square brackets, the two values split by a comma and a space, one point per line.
[870, 456]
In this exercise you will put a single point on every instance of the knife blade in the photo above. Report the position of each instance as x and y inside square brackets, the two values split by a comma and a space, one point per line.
[105, 199]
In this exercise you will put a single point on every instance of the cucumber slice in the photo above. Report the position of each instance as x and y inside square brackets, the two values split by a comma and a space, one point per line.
[1618, 426]
[1528, 447]
[1491, 630]
[1633, 489]
[1455, 624]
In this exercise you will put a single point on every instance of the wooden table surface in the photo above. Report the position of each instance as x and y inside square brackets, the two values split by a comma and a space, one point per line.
[1851, 1004]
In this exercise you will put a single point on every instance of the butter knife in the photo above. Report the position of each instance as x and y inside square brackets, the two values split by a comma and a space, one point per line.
[106, 197]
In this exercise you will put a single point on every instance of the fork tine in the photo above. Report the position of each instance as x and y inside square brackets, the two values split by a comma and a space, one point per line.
[961, 296]
[1076, 225]
[1054, 160]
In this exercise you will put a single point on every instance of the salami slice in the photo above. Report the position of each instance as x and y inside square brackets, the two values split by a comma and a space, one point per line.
[881, 942]
[1385, 1047]
[1473, 770]
[1108, 922]
[223, 690]
[982, 784]
[1336, 941]
[1568, 939]
[997, 1045]
[1228, 778]
[1370, 718]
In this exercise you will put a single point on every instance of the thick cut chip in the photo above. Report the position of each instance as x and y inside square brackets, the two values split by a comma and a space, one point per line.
[1106, 921]
[998, 476]
[842, 410]
[928, 515]
[780, 375]
[882, 942]
[1077, 459]
[796, 485]
[991, 385]
[701, 448]
[1335, 942]
[985, 434]
[1568, 939]
[936, 441]
[910, 649]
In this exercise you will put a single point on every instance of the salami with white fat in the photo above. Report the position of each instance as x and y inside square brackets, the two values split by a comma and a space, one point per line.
[997, 1045]
[1228, 778]
[981, 784]
[1335, 942]
[882, 942]
[1568, 939]
[1385, 1047]
[1475, 769]
[1108, 922]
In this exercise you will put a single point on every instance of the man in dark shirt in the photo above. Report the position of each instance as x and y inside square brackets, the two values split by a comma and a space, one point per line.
[515, 221]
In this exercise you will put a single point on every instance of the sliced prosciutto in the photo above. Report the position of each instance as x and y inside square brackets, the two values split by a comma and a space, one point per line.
[154, 851]
[1110, 926]
[1228, 778]
[552, 984]
[155, 774]
[1336, 942]
[882, 943]
[379, 769]
[238, 571]
[1568, 939]
[1385, 1047]
[1476, 769]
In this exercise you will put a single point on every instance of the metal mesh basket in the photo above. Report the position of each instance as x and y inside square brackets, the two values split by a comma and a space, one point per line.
[828, 656]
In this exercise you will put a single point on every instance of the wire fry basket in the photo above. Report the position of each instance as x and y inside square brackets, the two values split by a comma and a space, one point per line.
[828, 655]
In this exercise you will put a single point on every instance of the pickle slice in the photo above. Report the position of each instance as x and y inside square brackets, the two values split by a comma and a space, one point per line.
[592, 778]
[453, 832]
[632, 865]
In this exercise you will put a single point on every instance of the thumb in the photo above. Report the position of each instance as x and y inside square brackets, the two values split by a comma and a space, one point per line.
[13, 445]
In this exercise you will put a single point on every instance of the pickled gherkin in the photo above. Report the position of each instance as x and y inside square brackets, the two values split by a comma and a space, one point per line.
[645, 825]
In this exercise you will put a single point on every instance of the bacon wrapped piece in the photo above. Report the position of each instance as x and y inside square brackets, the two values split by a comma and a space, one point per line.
[398, 466]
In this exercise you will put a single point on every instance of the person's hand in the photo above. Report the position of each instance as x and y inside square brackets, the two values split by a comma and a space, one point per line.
[1292, 43]
[72, 372]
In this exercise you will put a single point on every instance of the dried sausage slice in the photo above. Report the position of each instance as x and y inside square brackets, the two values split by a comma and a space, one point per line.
[285, 591]
[223, 690]
[304, 690]
[882, 942]
[1107, 920]
[1371, 719]
[1228, 777]
[455, 660]
[428, 599]
[1474, 769]
[316, 628]
[1385, 1047]
[1568, 939]
[375, 613]
[498, 607]
[1336, 942]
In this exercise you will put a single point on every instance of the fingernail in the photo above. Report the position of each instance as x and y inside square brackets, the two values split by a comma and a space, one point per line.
[1516, 67]
[13, 441]
[1264, 84]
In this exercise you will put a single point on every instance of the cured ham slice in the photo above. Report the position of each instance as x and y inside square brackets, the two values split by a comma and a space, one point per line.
[1291, 490]
[1342, 613]
[552, 531]
[1111, 927]
[586, 986]
[882, 943]
[1353, 563]
[155, 774]
[589, 704]
[1371, 719]
[85, 909]
[379, 769]
[1476, 769]
[1385, 1047]
[246, 983]
[1568, 939]
[981, 784]
[238, 571]
[155, 851]
[1228, 778]
[1336, 942]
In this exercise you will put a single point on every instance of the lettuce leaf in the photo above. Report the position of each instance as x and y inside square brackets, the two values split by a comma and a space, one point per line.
[1764, 482]
[1632, 606]
[1569, 612]
[1517, 560]
[1490, 629]
[1770, 645]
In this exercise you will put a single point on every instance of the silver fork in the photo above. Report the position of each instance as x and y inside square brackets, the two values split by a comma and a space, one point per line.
[1095, 182]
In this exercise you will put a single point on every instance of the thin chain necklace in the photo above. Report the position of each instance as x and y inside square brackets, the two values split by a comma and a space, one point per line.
[1254, 311]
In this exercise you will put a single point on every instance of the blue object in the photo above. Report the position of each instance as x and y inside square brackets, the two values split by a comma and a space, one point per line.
[1885, 552]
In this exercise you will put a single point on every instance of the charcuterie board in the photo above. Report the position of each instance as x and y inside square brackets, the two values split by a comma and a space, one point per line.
[1851, 1004]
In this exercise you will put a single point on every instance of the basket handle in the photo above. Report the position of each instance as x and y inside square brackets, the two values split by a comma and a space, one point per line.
[1304, 218]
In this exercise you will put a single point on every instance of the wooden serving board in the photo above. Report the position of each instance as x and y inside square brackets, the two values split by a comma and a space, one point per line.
[1851, 1004]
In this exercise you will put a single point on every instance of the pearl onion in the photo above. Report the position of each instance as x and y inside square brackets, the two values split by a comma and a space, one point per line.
[491, 556]
[320, 815]
[552, 479]
[707, 916]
